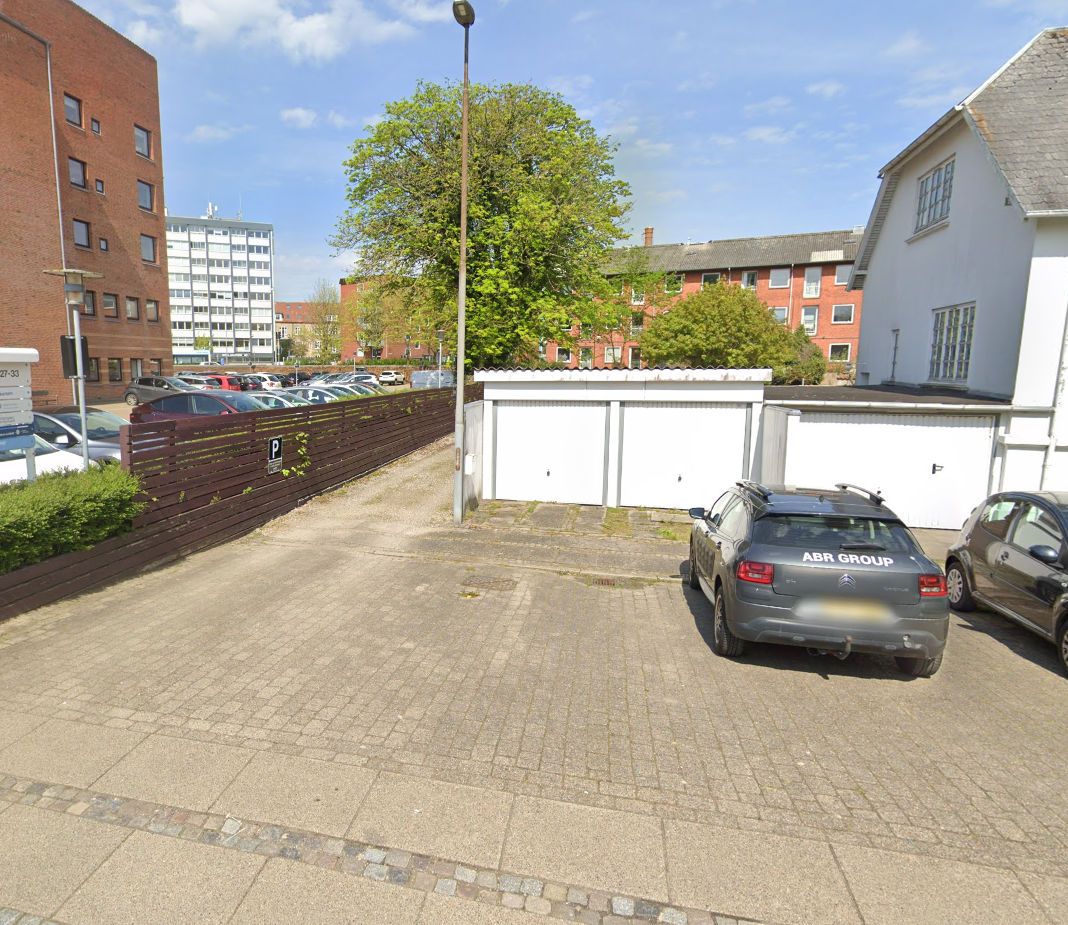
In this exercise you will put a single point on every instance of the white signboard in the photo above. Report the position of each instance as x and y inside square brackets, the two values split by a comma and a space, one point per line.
[13, 418]
[16, 402]
[8, 393]
[14, 374]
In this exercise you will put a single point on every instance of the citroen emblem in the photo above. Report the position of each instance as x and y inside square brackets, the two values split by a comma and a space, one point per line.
[846, 581]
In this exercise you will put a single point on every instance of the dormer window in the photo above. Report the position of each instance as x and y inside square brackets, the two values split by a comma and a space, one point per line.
[935, 189]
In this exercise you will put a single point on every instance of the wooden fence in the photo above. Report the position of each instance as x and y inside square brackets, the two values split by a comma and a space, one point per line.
[206, 481]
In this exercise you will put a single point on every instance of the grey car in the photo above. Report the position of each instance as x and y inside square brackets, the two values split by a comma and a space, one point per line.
[62, 428]
[145, 388]
[832, 571]
[1011, 556]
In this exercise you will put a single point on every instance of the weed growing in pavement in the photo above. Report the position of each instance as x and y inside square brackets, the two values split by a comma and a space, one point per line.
[302, 454]
[666, 533]
[468, 594]
[616, 522]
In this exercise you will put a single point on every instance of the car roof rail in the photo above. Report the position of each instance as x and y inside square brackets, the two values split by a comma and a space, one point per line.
[755, 487]
[873, 495]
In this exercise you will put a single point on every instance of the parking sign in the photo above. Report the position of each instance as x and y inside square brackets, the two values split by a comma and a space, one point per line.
[274, 455]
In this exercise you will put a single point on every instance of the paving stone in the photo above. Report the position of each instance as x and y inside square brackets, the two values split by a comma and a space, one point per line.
[512, 900]
[578, 897]
[538, 905]
[622, 906]
[445, 887]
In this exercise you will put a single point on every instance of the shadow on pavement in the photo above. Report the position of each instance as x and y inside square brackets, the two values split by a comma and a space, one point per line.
[1012, 636]
[790, 658]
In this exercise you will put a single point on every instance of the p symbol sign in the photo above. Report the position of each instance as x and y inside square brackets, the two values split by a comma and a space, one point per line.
[274, 455]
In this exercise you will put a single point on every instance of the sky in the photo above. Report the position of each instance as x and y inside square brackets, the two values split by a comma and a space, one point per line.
[732, 117]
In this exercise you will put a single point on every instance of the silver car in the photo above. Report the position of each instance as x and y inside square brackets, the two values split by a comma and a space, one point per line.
[62, 428]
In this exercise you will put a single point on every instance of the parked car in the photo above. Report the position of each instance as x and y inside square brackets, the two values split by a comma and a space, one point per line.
[47, 458]
[193, 404]
[145, 388]
[344, 391]
[199, 382]
[1011, 556]
[389, 377]
[432, 379]
[265, 381]
[62, 428]
[229, 382]
[280, 399]
[315, 394]
[834, 571]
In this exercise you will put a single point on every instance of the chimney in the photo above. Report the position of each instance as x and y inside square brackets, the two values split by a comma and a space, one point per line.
[648, 237]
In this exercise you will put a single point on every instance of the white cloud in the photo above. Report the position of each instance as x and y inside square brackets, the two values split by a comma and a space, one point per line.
[337, 120]
[571, 86]
[723, 140]
[646, 146]
[372, 121]
[702, 81]
[582, 16]
[910, 45]
[825, 88]
[140, 32]
[299, 117]
[624, 129]
[920, 99]
[773, 105]
[423, 10]
[220, 131]
[770, 135]
[317, 36]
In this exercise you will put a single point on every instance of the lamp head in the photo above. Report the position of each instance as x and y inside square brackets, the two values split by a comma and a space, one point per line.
[463, 12]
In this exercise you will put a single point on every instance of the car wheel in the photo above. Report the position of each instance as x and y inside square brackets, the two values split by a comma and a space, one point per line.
[692, 578]
[131, 399]
[727, 644]
[1062, 644]
[919, 667]
[960, 598]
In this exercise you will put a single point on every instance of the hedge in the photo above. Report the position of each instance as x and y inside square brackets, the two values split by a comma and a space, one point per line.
[63, 512]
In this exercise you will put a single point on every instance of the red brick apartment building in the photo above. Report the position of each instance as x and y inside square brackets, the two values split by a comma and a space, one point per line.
[82, 186]
[801, 277]
[412, 349]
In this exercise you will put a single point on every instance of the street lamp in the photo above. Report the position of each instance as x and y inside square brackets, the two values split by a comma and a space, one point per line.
[464, 14]
[441, 343]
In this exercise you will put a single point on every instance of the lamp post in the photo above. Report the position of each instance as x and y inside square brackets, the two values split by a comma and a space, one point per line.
[441, 343]
[464, 14]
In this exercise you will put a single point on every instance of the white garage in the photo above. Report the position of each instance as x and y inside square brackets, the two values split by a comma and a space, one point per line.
[669, 438]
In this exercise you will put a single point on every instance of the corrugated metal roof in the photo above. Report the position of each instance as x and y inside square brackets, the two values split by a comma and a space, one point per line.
[746, 253]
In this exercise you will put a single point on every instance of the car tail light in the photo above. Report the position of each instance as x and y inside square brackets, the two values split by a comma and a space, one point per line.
[932, 585]
[761, 573]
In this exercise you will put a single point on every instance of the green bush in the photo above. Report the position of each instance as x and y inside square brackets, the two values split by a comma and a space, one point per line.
[62, 512]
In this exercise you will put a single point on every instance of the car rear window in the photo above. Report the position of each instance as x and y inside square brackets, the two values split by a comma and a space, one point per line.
[828, 531]
[244, 402]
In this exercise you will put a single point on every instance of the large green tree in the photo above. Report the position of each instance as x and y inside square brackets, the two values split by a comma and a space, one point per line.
[727, 326]
[544, 207]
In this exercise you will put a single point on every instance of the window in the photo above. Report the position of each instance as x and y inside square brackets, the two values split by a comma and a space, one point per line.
[563, 354]
[813, 275]
[673, 284]
[841, 274]
[810, 318]
[111, 305]
[709, 279]
[148, 248]
[585, 358]
[135, 369]
[613, 355]
[157, 366]
[782, 315]
[839, 353]
[934, 193]
[133, 309]
[142, 141]
[89, 308]
[636, 297]
[842, 314]
[152, 309]
[145, 198]
[997, 516]
[779, 279]
[82, 238]
[76, 169]
[749, 279]
[103, 244]
[637, 323]
[92, 372]
[100, 186]
[72, 106]
[951, 343]
[734, 519]
[635, 358]
[95, 123]
[1037, 527]
[114, 370]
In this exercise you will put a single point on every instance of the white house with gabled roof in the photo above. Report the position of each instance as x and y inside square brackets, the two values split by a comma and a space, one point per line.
[964, 262]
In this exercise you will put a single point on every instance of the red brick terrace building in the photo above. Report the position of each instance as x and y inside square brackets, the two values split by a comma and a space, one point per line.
[413, 349]
[801, 277]
[82, 185]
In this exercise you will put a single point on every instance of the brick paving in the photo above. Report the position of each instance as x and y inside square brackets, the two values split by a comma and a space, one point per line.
[554, 652]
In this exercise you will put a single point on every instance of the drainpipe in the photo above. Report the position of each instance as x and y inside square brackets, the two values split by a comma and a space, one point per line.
[1058, 399]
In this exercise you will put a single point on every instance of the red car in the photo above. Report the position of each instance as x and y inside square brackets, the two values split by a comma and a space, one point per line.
[225, 381]
[194, 404]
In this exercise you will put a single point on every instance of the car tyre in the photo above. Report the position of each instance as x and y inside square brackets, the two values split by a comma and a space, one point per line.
[131, 399]
[1062, 644]
[919, 667]
[726, 643]
[960, 598]
[692, 578]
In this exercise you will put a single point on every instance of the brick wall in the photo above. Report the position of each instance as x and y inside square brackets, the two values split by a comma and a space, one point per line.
[117, 84]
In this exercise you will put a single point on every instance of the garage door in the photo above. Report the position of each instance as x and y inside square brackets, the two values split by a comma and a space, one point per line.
[680, 454]
[551, 451]
[932, 469]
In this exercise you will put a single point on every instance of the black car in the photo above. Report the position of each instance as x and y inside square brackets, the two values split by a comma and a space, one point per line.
[833, 571]
[1011, 557]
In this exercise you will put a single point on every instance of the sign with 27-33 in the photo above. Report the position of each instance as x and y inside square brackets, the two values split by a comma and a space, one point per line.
[16, 404]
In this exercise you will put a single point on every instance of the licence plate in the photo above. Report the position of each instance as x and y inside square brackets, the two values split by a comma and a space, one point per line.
[841, 610]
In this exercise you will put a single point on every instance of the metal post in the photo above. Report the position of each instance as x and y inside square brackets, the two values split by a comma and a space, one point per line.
[461, 309]
[81, 384]
[31, 464]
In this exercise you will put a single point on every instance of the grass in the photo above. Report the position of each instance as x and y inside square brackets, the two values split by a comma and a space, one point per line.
[616, 522]
[666, 533]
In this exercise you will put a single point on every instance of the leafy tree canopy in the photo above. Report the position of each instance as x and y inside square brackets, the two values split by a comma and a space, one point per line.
[727, 326]
[543, 209]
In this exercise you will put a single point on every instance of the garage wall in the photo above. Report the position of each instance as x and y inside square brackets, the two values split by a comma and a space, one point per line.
[933, 469]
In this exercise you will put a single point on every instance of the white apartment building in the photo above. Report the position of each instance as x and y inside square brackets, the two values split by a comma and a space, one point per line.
[221, 286]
